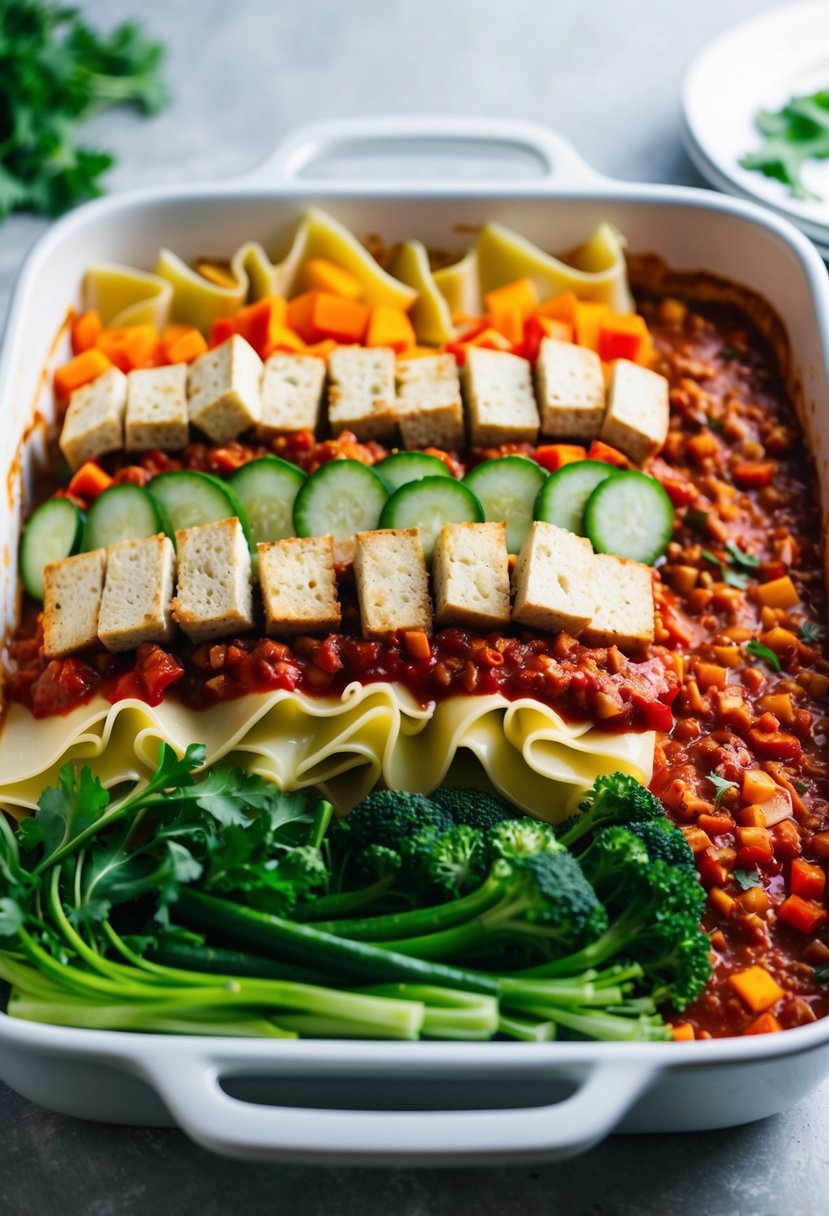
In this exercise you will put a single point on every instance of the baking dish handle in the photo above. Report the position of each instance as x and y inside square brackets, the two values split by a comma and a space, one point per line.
[408, 137]
[192, 1090]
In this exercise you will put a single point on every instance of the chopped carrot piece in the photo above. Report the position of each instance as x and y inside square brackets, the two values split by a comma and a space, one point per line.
[520, 296]
[752, 816]
[223, 328]
[779, 593]
[724, 903]
[753, 474]
[85, 330]
[756, 988]
[89, 481]
[715, 825]
[608, 455]
[757, 785]
[711, 675]
[390, 327]
[510, 323]
[755, 845]
[186, 347]
[551, 456]
[767, 1023]
[318, 314]
[682, 1032]
[807, 879]
[561, 307]
[622, 337]
[322, 275]
[282, 338]
[258, 322]
[787, 842]
[81, 370]
[417, 644]
[589, 317]
[781, 705]
[130, 346]
[802, 914]
[756, 901]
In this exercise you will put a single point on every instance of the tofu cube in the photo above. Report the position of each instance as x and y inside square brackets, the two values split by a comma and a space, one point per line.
[429, 407]
[500, 404]
[94, 421]
[623, 613]
[224, 390]
[361, 391]
[299, 585]
[213, 598]
[135, 606]
[570, 390]
[553, 580]
[157, 409]
[470, 573]
[392, 582]
[637, 414]
[291, 394]
[72, 591]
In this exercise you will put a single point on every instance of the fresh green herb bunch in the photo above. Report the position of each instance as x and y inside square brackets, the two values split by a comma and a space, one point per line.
[797, 132]
[55, 73]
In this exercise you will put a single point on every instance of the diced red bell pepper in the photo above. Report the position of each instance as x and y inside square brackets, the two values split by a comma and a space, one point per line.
[802, 914]
[753, 474]
[807, 879]
[773, 745]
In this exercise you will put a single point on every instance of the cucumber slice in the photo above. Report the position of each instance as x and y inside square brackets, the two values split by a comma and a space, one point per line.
[564, 495]
[341, 498]
[189, 499]
[630, 515]
[123, 512]
[401, 468]
[429, 504]
[507, 489]
[52, 533]
[267, 489]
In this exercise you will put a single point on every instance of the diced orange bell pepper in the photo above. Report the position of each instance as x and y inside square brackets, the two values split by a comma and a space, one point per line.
[536, 329]
[183, 346]
[81, 370]
[89, 481]
[317, 314]
[510, 323]
[779, 593]
[223, 328]
[608, 455]
[390, 327]
[85, 330]
[130, 346]
[807, 879]
[802, 914]
[284, 339]
[756, 988]
[682, 1031]
[322, 275]
[622, 337]
[561, 307]
[758, 786]
[589, 317]
[551, 456]
[519, 295]
[490, 339]
[767, 1023]
[258, 322]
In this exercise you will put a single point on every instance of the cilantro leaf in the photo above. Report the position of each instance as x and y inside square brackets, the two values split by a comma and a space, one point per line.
[66, 810]
[745, 561]
[797, 132]
[759, 651]
[747, 878]
[730, 577]
[721, 785]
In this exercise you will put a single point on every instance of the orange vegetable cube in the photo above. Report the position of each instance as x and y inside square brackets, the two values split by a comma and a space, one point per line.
[756, 901]
[519, 296]
[223, 328]
[711, 675]
[622, 337]
[589, 317]
[756, 988]
[322, 275]
[682, 1031]
[81, 370]
[510, 323]
[779, 593]
[282, 338]
[755, 845]
[599, 450]
[551, 456]
[802, 914]
[257, 323]
[185, 347]
[767, 1023]
[89, 481]
[390, 327]
[722, 902]
[85, 330]
[318, 314]
[561, 307]
[130, 346]
[807, 879]
[758, 786]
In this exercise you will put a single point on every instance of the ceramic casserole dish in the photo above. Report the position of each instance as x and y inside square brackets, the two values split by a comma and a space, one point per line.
[405, 1103]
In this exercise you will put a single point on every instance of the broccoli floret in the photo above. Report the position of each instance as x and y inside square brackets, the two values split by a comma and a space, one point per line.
[664, 843]
[445, 865]
[614, 799]
[473, 808]
[376, 863]
[515, 838]
[388, 817]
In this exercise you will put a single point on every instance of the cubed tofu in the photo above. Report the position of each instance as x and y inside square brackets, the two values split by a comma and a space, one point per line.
[291, 394]
[138, 588]
[553, 580]
[470, 576]
[361, 391]
[213, 598]
[299, 585]
[94, 422]
[570, 390]
[392, 582]
[429, 407]
[72, 591]
[500, 406]
[637, 414]
[157, 409]
[224, 390]
[623, 611]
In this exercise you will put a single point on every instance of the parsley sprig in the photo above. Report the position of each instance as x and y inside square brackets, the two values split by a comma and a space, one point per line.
[722, 786]
[55, 73]
[758, 651]
[797, 132]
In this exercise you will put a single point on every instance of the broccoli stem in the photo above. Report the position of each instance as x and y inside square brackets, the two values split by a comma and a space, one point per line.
[420, 922]
[330, 906]
[448, 1014]
[217, 961]
[526, 1030]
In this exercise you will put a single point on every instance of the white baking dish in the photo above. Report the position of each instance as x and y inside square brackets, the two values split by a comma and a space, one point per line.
[421, 1102]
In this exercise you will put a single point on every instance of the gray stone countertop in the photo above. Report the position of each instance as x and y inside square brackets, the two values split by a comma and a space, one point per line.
[607, 76]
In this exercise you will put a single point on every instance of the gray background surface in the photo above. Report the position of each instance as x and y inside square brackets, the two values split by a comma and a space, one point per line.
[607, 75]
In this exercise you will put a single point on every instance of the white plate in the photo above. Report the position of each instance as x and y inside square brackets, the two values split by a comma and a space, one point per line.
[759, 64]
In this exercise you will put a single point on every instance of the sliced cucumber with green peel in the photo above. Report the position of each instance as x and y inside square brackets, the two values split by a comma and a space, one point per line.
[267, 489]
[123, 512]
[429, 504]
[340, 499]
[507, 489]
[53, 532]
[401, 468]
[189, 499]
[564, 495]
[630, 515]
